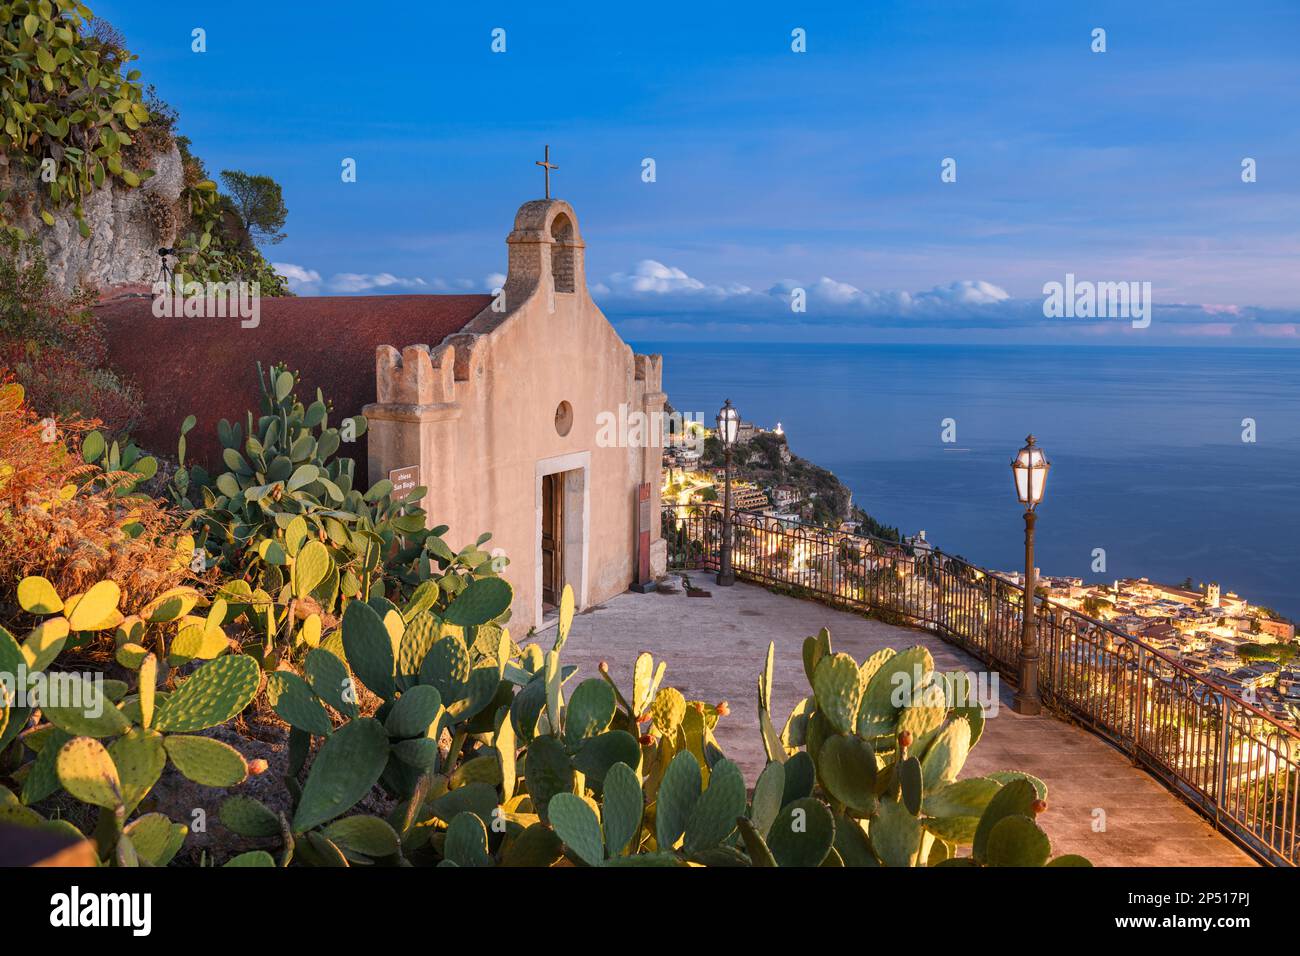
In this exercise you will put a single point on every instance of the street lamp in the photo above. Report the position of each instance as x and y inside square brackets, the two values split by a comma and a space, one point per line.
[728, 428]
[1030, 472]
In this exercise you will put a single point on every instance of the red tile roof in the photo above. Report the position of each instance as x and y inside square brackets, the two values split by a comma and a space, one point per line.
[207, 367]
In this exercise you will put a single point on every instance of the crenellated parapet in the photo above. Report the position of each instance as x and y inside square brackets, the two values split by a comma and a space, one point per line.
[418, 375]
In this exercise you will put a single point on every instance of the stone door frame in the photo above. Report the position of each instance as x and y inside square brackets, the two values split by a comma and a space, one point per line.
[576, 468]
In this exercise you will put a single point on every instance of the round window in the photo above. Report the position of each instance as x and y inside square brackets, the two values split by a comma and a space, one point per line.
[563, 418]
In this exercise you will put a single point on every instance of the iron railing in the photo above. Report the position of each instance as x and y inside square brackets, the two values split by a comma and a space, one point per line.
[1231, 761]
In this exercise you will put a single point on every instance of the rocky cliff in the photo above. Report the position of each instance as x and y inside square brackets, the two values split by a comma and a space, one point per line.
[127, 226]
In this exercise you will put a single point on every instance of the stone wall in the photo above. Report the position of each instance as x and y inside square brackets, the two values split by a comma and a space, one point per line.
[123, 244]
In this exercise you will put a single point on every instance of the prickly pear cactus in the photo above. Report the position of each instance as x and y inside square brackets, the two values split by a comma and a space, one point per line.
[876, 782]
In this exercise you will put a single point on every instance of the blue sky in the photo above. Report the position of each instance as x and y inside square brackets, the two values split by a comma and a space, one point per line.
[774, 169]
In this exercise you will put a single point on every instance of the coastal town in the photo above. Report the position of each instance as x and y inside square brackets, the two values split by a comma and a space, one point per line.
[1219, 635]
[1243, 647]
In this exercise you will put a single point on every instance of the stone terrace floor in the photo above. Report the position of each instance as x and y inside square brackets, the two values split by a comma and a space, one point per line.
[714, 648]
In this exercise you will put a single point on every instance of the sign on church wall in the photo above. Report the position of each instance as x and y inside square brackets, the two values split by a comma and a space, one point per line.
[404, 479]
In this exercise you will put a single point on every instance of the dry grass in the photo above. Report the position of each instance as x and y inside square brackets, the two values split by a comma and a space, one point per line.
[53, 524]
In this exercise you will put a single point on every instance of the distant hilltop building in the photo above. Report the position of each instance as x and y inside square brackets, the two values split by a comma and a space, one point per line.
[918, 542]
[1212, 595]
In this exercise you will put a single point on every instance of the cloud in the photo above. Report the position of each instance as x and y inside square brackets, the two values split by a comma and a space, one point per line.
[655, 286]
[655, 297]
[305, 281]
[651, 277]
[302, 281]
[350, 283]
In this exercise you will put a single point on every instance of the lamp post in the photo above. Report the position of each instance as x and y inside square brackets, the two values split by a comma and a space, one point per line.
[728, 428]
[1029, 469]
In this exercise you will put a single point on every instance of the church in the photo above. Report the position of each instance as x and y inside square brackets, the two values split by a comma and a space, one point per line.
[492, 402]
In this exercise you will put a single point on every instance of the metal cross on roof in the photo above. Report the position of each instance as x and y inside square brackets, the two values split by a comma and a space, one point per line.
[547, 165]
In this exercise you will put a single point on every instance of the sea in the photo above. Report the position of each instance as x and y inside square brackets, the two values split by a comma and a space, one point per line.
[1167, 463]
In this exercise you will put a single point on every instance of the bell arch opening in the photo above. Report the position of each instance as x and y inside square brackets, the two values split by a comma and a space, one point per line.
[562, 253]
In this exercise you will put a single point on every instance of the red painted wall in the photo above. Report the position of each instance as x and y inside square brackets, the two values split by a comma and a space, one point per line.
[207, 366]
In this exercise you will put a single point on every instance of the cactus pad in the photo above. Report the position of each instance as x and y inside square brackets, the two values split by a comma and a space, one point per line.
[838, 687]
[668, 711]
[1015, 798]
[248, 817]
[590, 710]
[713, 819]
[482, 602]
[466, 841]
[576, 824]
[802, 833]
[213, 694]
[895, 834]
[140, 758]
[88, 712]
[447, 667]
[547, 771]
[1016, 840]
[945, 757]
[679, 791]
[847, 766]
[87, 772]
[293, 700]
[622, 807]
[206, 761]
[415, 713]
[329, 679]
[347, 765]
[369, 648]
